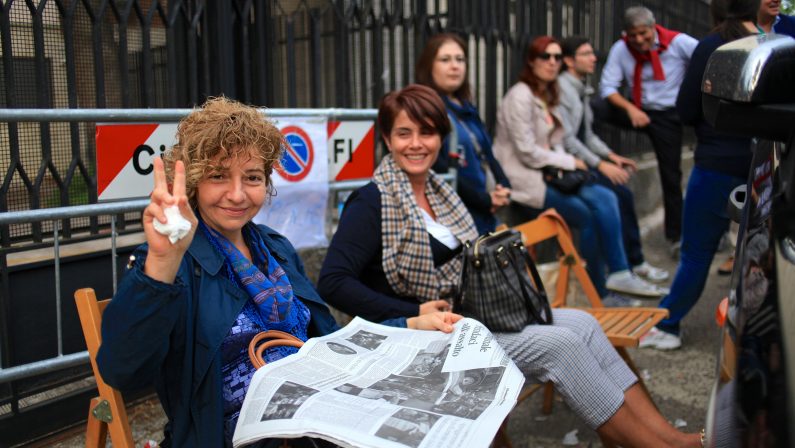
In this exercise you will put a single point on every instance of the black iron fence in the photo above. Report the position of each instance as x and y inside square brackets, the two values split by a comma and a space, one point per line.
[276, 53]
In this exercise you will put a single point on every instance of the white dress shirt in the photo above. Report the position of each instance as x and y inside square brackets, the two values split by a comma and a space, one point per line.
[655, 95]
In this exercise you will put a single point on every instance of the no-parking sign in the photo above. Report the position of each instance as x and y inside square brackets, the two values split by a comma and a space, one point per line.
[299, 154]
[305, 153]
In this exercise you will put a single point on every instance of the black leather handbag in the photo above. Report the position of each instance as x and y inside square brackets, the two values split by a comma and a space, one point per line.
[566, 181]
[495, 286]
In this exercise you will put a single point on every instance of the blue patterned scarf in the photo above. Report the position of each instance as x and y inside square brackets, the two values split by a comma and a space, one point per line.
[272, 306]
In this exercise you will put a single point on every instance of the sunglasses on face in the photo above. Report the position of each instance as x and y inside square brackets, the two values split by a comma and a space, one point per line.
[546, 56]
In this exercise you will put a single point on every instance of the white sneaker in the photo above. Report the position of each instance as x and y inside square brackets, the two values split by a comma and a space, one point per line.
[628, 283]
[660, 340]
[649, 272]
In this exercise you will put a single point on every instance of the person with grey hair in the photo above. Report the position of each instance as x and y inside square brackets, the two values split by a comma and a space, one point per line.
[638, 16]
[652, 61]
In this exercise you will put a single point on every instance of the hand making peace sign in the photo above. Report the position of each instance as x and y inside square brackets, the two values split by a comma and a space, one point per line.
[164, 258]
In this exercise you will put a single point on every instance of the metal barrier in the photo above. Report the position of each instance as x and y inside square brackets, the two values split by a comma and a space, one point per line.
[113, 209]
[64, 361]
[90, 116]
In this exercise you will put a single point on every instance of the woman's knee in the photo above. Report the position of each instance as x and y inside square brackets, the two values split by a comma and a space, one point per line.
[577, 320]
[600, 197]
[572, 208]
[561, 343]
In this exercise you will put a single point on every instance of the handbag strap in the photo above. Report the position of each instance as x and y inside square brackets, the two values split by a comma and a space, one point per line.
[276, 337]
[537, 280]
[533, 270]
[525, 290]
[458, 298]
[491, 180]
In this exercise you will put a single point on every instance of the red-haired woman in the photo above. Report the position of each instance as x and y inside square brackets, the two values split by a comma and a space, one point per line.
[529, 137]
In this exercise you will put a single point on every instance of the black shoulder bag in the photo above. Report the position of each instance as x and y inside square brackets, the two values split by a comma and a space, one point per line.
[566, 181]
[495, 287]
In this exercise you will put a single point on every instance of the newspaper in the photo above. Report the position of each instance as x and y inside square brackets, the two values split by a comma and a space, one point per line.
[369, 385]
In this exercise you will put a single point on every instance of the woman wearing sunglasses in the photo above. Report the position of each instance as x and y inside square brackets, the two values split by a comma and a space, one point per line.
[529, 137]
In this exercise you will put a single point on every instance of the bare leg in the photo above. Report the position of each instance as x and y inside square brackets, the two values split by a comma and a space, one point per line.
[625, 429]
[636, 399]
[630, 430]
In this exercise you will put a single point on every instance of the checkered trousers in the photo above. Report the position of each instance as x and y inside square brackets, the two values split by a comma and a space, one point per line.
[576, 356]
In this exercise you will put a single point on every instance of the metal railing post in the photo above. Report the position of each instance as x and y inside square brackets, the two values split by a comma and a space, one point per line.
[57, 266]
[113, 236]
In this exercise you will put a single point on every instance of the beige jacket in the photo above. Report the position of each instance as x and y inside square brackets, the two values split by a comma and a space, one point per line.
[525, 142]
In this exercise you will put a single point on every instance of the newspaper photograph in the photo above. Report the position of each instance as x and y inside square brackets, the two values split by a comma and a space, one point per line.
[369, 385]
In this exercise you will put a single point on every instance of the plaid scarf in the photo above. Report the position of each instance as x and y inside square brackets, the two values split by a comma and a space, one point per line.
[407, 258]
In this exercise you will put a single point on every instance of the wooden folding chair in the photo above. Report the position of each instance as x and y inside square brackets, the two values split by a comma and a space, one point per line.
[106, 413]
[623, 326]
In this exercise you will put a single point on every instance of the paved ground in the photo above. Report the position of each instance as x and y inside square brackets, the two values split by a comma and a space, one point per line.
[679, 381]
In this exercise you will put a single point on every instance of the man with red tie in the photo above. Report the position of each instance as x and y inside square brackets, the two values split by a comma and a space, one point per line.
[652, 61]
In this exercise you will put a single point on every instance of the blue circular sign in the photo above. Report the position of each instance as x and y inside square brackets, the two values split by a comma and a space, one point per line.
[298, 155]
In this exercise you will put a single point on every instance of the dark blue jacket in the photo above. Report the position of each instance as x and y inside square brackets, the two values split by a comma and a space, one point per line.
[169, 335]
[715, 150]
[471, 178]
[785, 25]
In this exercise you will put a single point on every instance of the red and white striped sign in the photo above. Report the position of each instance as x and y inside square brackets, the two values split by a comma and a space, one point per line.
[124, 157]
[351, 150]
[125, 153]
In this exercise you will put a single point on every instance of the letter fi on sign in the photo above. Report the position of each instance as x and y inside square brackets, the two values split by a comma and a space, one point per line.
[339, 148]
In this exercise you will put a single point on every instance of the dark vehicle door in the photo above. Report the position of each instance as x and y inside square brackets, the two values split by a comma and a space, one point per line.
[749, 89]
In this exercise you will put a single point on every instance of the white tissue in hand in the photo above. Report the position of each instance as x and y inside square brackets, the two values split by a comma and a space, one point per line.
[176, 227]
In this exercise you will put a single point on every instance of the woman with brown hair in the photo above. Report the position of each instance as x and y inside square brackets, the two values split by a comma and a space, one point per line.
[187, 308]
[529, 137]
[481, 182]
[395, 254]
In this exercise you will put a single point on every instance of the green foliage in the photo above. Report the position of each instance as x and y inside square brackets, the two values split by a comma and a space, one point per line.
[788, 7]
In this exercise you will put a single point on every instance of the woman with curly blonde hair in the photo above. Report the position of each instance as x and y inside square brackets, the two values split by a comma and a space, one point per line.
[188, 307]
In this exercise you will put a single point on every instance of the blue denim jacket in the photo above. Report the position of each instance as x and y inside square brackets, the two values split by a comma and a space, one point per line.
[169, 335]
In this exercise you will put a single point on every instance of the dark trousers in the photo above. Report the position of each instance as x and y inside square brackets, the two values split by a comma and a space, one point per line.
[629, 219]
[665, 132]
